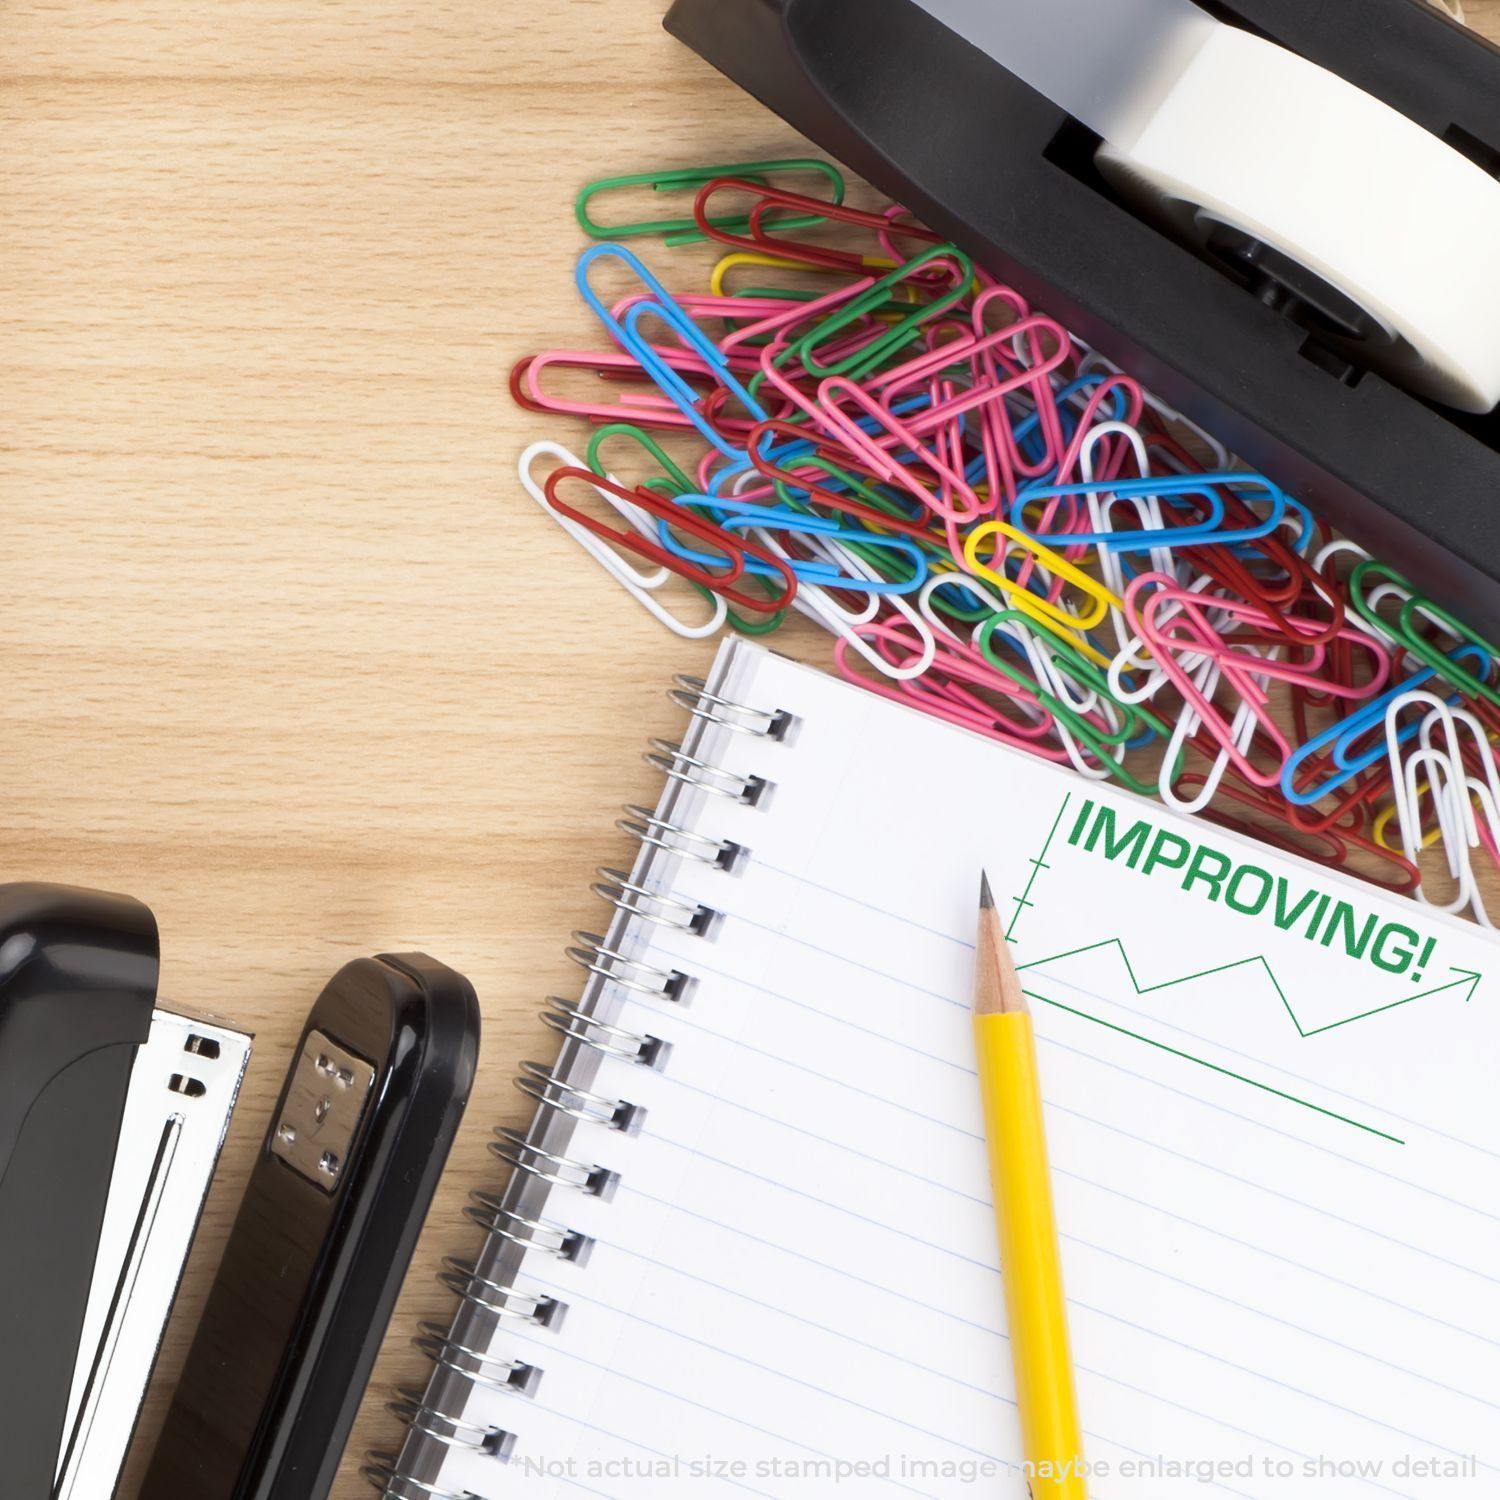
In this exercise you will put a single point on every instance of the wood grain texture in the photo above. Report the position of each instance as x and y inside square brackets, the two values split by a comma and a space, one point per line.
[287, 654]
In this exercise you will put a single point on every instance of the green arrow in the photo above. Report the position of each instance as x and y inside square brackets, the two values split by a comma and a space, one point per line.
[1466, 977]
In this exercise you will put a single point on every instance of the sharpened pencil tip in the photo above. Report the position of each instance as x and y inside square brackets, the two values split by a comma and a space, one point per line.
[997, 986]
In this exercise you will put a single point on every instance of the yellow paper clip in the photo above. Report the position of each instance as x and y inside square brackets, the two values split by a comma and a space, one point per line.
[1058, 619]
[760, 258]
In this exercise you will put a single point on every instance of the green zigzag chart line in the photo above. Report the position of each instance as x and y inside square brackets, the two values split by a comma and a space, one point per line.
[1466, 979]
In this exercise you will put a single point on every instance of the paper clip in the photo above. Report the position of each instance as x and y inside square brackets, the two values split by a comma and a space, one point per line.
[1242, 729]
[735, 515]
[863, 501]
[1196, 641]
[1325, 846]
[1062, 418]
[1480, 760]
[982, 387]
[1453, 792]
[882, 460]
[766, 201]
[1107, 741]
[669, 471]
[718, 281]
[637, 583]
[624, 332]
[1168, 489]
[1404, 630]
[985, 604]
[735, 554]
[685, 231]
[821, 606]
[1044, 610]
[650, 408]
[1339, 741]
[966, 664]
[956, 270]
[950, 688]
[1189, 627]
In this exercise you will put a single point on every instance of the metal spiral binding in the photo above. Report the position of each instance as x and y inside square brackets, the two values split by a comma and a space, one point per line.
[506, 1377]
[451, 1432]
[591, 952]
[462, 1276]
[643, 825]
[537, 1082]
[486, 1210]
[558, 1171]
[676, 764]
[569, 1019]
[622, 893]
[692, 694]
[381, 1471]
[481, 1368]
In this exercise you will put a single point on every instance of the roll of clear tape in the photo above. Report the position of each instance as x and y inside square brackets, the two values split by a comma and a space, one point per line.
[1253, 137]
[1207, 126]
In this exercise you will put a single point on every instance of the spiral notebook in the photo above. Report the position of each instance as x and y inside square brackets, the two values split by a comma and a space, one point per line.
[748, 1249]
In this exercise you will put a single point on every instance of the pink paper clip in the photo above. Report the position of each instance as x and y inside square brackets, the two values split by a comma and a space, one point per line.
[1307, 673]
[1189, 632]
[945, 690]
[838, 389]
[781, 319]
[645, 407]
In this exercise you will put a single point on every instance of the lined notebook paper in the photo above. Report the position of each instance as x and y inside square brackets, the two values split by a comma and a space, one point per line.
[1272, 1117]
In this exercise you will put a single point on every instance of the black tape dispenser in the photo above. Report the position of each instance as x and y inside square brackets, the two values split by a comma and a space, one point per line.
[1282, 217]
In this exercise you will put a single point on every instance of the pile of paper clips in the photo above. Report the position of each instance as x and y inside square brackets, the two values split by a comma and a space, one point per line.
[998, 527]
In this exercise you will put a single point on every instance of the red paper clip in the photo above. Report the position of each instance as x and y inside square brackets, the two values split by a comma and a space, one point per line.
[736, 549]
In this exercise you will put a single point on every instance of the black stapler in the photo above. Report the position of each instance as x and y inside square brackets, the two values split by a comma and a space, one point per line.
[78, 975]
[323, 1237]
[1245, 344]
[111, 1118]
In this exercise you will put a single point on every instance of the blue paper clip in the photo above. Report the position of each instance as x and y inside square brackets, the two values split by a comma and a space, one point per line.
[628, 337]
[1165, 488]
[1347, 732]
[735, 515]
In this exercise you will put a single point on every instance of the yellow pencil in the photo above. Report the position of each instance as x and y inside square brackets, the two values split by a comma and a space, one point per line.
[1030, 1263]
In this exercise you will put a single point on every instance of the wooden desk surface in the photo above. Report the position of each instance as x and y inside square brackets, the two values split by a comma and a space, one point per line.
[287, 654]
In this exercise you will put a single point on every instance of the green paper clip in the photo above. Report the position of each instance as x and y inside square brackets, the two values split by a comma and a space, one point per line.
[671, 472]
[691, 179]
[1076, 667]
[1405, 629]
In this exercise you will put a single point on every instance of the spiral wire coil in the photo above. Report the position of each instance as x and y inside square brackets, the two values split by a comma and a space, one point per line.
[604, 962]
